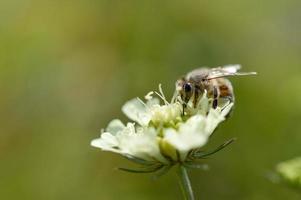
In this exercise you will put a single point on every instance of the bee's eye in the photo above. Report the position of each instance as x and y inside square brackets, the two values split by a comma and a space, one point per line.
[187, 87]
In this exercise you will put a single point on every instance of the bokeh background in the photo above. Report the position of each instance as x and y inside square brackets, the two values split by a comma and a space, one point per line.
[68, 66]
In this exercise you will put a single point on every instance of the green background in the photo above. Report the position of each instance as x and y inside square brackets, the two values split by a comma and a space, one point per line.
[67, 66]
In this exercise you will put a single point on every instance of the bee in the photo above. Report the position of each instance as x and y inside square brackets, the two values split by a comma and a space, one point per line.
[213, 80]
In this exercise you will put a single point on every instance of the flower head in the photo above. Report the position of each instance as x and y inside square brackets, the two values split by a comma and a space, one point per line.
[160, 134]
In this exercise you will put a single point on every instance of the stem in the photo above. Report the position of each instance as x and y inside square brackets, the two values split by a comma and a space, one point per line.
[185, 183]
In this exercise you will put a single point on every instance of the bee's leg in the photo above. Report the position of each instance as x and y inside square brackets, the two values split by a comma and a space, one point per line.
[215, 97]
[196, 97]
[229, 99]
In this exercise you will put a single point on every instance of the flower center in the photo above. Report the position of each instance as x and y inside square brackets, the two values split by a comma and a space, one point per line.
[166, 115]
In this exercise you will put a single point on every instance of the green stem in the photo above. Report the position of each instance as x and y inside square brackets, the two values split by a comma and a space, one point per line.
[185, 183]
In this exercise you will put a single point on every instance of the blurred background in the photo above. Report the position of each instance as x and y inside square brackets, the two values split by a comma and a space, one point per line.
[68, 66]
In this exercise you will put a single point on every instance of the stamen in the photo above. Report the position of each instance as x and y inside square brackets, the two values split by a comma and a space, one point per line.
[180, 99]
[174, 97]
[161, 95]
[149, 96]
[142, 102]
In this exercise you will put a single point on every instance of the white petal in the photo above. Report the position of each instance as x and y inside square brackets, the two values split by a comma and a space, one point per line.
[102, 144]
[115, 126]
[203, 105]
[227, 109]
[142, 145]
[190, 135]
[194, 124]
[97, 143]
[136, 111]
[109, 139]
[216, 116]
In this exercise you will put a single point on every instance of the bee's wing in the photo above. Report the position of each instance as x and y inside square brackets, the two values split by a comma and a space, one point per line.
[229, 70]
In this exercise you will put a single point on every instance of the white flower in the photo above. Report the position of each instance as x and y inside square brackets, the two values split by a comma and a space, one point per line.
[163, 134]
[165, 114]
[194, 133]
[139, 142]
[152, 111]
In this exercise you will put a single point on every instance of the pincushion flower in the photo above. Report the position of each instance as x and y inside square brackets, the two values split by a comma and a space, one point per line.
[159, 134]
[162, 133]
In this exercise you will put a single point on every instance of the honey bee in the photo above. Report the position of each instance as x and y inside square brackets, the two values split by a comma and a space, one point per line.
[213, 80]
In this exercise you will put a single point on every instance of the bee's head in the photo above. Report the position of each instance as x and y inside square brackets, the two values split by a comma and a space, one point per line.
[185, 90]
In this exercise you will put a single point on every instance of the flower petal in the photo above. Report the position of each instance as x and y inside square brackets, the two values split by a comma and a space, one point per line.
[142, 145]
[227, 109]
[109, 139]
[136, 111]
[190, 135]
[216, 116]
[115, 126]
[106, 142]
